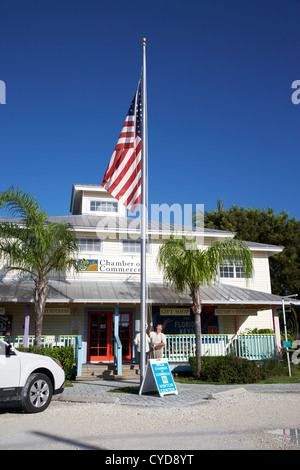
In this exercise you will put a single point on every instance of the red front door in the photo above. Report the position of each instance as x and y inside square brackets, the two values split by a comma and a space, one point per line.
[101, 336]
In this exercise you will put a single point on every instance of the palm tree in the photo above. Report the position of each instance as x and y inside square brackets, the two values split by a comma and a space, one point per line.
[34, 246]
[186, 267]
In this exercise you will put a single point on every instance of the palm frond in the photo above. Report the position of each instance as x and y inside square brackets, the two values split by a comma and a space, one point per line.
[20, 204]
[32, 243]
[230, 250]
[184, 265]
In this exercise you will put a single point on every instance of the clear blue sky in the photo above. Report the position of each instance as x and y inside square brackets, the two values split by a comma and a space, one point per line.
[221, 120]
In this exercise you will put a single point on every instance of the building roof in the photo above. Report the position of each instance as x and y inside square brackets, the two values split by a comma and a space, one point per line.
[108, 222]
[117, 224]
[125, 292]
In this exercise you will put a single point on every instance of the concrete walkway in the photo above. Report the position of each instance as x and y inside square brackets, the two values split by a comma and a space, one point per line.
[100, 392]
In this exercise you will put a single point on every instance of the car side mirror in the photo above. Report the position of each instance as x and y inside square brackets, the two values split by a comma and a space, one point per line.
[9, 350]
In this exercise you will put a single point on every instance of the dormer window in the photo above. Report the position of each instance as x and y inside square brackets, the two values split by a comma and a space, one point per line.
[103, 206]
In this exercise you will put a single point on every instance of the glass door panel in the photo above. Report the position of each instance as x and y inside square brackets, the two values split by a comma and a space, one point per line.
[125, 334]
[100, 341]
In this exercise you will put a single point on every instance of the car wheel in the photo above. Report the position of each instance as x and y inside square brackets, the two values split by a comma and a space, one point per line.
[37, 393]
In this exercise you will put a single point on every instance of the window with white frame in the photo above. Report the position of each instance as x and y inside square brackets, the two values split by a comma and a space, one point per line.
[231, 270]
[133, 246]
[89, 244]
[239, 272]
[103, 206]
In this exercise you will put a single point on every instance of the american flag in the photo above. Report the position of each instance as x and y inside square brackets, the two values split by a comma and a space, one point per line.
[122, 178]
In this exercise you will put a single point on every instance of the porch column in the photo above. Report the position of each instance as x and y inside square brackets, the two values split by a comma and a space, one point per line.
[26, 326]
[116, 321]
[276, 326]
[117, 342]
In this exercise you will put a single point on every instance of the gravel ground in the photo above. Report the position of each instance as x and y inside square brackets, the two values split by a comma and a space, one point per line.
[241, 420]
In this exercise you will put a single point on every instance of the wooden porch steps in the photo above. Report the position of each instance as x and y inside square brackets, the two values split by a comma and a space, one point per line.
[108, 372]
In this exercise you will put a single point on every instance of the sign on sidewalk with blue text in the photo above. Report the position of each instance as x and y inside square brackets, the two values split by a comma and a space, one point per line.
[158, 377]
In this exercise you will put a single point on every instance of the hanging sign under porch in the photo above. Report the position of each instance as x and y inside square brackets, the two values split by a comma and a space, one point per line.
[236, 311]
[158, 377]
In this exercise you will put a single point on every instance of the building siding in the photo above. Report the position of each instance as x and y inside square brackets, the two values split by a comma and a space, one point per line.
[111, 249]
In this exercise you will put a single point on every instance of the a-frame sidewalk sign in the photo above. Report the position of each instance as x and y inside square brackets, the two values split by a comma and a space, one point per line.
[158, 377]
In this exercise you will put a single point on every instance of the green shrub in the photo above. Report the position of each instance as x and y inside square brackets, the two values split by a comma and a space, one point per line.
[228, 369]
[65, 355]
[256, 331]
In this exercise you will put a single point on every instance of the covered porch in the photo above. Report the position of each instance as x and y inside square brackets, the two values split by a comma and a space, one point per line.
[178, 348]
[79, 297]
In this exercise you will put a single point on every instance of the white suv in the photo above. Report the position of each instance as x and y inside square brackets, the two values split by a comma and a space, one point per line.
[29, 379]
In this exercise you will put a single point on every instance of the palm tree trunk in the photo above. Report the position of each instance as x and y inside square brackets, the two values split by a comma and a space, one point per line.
[197, 307]
[40, 298]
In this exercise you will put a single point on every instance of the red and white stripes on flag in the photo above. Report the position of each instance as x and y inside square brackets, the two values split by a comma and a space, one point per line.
[122, 178]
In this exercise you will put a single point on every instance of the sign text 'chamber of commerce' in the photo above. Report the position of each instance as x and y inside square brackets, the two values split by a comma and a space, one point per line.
[105, 265]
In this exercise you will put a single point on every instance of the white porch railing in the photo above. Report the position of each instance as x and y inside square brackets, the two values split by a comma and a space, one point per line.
[179, 347]
[50, 341]
[255, 347]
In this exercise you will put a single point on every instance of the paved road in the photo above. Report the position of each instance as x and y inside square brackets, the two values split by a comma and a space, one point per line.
[88, 416]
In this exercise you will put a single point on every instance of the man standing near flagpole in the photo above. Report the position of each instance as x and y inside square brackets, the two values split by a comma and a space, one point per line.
[126, 179]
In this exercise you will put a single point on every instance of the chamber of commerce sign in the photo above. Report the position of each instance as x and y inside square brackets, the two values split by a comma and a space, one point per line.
[110, 265]
[116, 265]
[88, 265]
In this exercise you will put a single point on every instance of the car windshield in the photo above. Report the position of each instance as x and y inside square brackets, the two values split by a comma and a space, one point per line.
[3, 346]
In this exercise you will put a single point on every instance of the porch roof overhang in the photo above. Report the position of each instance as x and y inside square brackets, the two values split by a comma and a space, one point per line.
[82, 291]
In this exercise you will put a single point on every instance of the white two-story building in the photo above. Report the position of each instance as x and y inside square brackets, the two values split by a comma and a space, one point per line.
[101, 303]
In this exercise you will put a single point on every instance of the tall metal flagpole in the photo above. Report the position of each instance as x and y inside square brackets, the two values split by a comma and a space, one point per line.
[143, 220]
